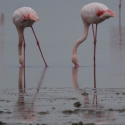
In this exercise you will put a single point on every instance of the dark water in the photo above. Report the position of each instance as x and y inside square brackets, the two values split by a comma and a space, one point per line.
[62, 94]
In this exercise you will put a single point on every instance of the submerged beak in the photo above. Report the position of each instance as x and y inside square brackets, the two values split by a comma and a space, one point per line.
[22, 65]
[76, 65]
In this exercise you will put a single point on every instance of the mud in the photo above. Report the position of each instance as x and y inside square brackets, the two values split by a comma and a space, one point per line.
[77, 104]
[49, 108]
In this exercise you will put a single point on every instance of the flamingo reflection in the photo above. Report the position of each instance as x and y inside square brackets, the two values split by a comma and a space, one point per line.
[24, 109]
[84, 93]
[76, 86]
[92, 107]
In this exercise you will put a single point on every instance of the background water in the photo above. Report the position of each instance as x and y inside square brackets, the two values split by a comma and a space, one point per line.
[59, 27]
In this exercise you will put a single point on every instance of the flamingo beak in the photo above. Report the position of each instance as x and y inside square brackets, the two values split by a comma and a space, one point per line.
[22, 64]
[76, 65]
[35, 18]
[112, 13]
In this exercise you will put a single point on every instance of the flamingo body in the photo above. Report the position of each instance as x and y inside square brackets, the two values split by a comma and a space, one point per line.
[92, 13]
[95, 13]
[22, 18]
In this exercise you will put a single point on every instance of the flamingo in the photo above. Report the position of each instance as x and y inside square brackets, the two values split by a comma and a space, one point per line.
[92, 13]
[22, 18]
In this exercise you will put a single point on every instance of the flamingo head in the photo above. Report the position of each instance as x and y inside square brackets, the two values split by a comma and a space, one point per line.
[21, 60]
[107, 14]
[75, 60]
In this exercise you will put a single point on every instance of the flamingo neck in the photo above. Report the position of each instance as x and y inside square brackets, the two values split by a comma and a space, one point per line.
[20, 44]
[82, 39]
[20, 33]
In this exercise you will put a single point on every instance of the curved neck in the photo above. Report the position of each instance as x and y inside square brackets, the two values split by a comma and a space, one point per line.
[82, 39]
[20, 35]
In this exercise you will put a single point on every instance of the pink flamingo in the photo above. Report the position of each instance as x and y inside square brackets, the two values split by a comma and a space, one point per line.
[22, 18]
[92, 13]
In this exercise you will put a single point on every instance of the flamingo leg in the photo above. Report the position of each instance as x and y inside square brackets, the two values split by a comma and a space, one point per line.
[93, 30]
[95, 74]
[24, 46]
[95, 40]
[37, 42]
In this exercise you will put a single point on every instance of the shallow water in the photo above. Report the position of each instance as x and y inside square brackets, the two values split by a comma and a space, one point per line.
[62, 94]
